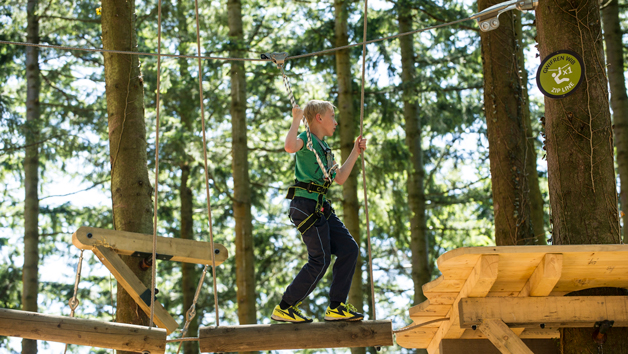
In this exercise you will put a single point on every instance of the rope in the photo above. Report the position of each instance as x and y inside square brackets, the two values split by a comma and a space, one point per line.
[309, 144]
[189, 315]
[154, 263]
[366, 203]
[209, 206]
[241, 59]
[74, 302]
[419, 325]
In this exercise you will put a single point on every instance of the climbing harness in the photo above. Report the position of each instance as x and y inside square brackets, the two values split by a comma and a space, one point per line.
[319, 210]
[279, 59]
[74, 301]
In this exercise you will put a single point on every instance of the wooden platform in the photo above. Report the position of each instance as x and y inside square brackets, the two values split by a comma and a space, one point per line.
[118, 336]
[295, 336]
[108, 245]
[517, 286]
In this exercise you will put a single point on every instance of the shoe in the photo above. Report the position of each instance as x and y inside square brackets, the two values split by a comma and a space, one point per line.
[291, 314]
[344, 312]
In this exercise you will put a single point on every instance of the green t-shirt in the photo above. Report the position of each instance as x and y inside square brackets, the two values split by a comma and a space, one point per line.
[307, 169]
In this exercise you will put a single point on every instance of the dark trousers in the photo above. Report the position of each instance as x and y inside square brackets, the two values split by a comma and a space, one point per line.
[324, 238]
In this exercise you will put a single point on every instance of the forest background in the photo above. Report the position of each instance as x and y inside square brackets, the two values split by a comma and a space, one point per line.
[447, 174]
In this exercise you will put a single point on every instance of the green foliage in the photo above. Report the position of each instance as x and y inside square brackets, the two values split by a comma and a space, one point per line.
[74, 147]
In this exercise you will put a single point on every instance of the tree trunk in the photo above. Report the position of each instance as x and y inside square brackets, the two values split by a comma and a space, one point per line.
[131, 191]
[30, 276]
[506, 130]
[619, 101]
[579, 145]
[537, 213]
[347, 122]
[245, 261]
[416, 173]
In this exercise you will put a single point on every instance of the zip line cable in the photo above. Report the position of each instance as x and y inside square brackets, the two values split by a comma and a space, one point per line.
[325, 51]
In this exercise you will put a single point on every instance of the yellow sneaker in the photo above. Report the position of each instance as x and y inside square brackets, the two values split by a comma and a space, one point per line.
[344, 312]
[291, 314]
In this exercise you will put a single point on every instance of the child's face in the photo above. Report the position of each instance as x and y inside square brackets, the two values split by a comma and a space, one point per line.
[328, 122]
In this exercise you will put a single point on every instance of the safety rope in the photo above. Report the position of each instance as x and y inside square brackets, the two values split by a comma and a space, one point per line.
[154, 262]
[310, 146]
[209, 206]
[366, 203]
[419, 325]
[74, 301]
[189, 315]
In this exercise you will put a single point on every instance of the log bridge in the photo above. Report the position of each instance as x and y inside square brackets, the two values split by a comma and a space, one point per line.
[512, 296]
[339, 334]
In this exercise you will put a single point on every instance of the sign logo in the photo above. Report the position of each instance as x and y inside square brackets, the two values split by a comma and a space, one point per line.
[560, 74]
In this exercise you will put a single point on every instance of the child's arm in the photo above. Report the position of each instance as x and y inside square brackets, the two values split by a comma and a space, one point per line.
[293, 143]
[343, 172]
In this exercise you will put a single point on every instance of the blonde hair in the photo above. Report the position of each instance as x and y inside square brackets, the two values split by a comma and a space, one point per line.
[314, 107]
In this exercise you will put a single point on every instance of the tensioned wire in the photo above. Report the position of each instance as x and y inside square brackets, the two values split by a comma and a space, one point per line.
[240, 59]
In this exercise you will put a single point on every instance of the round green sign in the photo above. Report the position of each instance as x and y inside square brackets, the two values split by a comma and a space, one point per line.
[560, 74]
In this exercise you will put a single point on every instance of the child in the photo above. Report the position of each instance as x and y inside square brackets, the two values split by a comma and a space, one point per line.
[322, 232]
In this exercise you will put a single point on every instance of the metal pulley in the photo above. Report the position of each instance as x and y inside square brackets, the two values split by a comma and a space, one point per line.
[488, 19]
[278, 58]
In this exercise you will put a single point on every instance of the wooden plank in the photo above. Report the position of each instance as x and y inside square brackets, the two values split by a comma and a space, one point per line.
[606, 254]
[484, 346]
[530, 333]
[168, 248]
[442, 298]
[545, 277]
[419, 337]
[530, 312]
[478, 284]
[295, 336]
[427, 310]
[505, 340]
[442, 285]
[134, 287]
[118, 336]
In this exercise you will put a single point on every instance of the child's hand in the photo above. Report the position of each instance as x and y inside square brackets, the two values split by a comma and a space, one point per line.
[297, 113]
[360, 144]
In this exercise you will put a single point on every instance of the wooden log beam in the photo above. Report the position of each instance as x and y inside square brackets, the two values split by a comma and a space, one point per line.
[295, 336]
[553, 311]
[168, 248]
[118, 336]
[134, 286]
[484, 346]
[545, 276]
[505, 340]
[478, 284]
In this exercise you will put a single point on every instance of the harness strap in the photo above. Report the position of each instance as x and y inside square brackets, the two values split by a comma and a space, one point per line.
[313, 218]
[312, 187]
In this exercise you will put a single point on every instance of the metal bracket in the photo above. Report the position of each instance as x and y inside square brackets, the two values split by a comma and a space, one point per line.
[601, 327]
[488, 19]
[278, 58]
